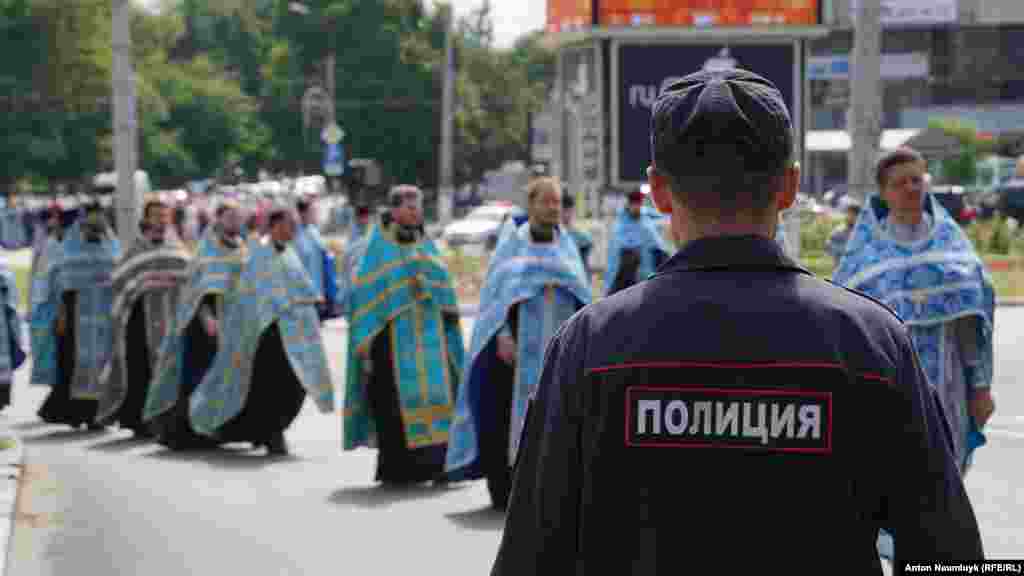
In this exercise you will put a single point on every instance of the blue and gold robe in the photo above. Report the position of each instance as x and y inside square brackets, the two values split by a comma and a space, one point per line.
[549, 285]
[403, 293]
[584, 243]
[86, 269]
[640, 234]
[12, 351]
[320, 265]
[42, 313]
[930, 284]
[214, 271]
[273, 288]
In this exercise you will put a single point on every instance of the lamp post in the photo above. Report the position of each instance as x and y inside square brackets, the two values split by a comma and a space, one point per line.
[446, 187]
[329, 63]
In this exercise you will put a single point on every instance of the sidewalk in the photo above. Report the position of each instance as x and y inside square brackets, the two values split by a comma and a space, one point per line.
[12, 456]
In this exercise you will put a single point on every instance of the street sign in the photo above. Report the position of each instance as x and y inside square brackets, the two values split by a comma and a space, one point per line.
[332, 133]
[334, 160]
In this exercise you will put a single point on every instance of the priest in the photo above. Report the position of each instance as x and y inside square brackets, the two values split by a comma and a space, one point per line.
[535, 282]
[146, 284]
[193, 339]
[272, 352]
[82, 294]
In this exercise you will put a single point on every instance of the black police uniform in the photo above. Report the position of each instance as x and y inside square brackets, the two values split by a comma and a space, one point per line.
[733, 415]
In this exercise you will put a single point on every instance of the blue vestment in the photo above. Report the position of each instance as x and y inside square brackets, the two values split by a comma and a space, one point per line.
[929, 284]
[640, 234]
[42, 313]
[403, 292]
[273, 288]
[84, 268]
[353, 255]
[319, 263]
[584, 243]
[12, 353]
[214, 271]
[549, 284]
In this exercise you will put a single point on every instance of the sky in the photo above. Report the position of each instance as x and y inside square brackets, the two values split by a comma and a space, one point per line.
[511, 17]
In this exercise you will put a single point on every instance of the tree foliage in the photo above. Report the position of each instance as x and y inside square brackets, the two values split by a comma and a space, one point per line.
[220, 84]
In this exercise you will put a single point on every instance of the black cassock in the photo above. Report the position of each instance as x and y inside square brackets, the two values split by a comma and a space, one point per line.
[396, 463]
[139, 366]
[59, 407]
[275, 395]
[172, 427]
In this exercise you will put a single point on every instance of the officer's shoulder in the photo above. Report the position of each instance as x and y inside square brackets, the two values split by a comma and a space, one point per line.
[859, 301]
[603, 311]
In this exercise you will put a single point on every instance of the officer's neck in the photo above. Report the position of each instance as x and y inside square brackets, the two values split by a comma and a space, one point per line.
[699, 228]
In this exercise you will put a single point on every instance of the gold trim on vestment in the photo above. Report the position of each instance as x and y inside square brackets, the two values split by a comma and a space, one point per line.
[376, 274]
[445, 368]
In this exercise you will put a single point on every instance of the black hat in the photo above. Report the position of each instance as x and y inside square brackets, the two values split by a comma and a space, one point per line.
[720, 122]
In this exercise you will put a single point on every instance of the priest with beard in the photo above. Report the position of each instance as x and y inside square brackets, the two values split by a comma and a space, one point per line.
[405, 348]
[535, 282]
[147, 284]
[192, 340]
[272, 352]
[81, 292]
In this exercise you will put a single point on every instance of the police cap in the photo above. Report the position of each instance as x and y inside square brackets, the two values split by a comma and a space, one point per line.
[720, 122]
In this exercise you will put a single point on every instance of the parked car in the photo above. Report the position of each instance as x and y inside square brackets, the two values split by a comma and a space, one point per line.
[481, 226]
[955, 200]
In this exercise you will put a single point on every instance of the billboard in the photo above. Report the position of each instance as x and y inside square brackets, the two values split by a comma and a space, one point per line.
[897, 13]
[638, 71]
[564, 15]
[707, 12]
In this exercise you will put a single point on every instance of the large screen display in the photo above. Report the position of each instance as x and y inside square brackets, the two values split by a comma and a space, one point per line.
[707, 12]
[643, 68]
[564, 15]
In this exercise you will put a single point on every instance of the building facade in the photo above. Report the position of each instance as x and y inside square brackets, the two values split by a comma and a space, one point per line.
[940, 59]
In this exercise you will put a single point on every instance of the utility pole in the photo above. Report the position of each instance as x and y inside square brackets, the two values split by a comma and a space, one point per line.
[126, 153]
[331, 88]
[864, 118]
[445, 184]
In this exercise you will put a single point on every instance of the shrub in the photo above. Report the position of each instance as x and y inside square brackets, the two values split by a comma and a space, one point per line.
[978, 233]
[814, 233]
[999, 241]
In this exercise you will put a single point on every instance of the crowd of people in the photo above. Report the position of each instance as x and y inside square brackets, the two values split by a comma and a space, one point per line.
[218, 340]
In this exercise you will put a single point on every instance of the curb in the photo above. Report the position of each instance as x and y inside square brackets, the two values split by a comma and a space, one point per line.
[12, 461]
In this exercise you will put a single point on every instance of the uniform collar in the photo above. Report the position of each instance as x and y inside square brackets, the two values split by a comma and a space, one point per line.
[730, 253]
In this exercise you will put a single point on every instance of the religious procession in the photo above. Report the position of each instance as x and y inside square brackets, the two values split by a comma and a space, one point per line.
[208, 333]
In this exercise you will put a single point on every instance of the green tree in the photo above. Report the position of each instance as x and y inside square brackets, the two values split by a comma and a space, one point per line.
[961, 168]
[21, 43]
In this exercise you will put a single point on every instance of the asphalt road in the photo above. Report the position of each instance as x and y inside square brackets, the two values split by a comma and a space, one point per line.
[103, 503]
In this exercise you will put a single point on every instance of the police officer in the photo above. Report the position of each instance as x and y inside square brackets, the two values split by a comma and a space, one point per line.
[732, 409]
